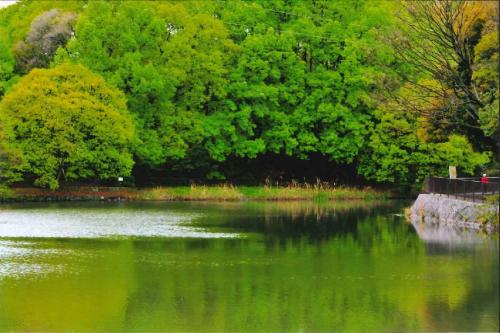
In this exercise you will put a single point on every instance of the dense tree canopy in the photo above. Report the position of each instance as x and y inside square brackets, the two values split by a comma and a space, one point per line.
[7, 64]
[171, 65]
[391, 91]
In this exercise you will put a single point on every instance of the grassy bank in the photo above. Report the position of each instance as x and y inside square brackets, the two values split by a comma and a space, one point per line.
[198, 193]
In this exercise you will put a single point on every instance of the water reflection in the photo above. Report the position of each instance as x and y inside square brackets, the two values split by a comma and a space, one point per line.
[97, 221]
[444, 237]
[299, 267]
[292, 220]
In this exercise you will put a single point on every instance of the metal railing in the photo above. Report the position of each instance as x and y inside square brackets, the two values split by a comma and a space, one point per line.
[462, 188]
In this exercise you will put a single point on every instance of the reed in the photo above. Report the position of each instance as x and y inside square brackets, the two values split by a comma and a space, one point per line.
[228, 192]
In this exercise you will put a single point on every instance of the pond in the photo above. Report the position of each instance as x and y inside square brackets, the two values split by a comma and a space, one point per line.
[241, 267]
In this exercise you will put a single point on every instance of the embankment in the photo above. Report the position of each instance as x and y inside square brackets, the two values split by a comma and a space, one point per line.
[440, 209]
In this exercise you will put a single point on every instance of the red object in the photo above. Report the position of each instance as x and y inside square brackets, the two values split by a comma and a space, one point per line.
[484, 180]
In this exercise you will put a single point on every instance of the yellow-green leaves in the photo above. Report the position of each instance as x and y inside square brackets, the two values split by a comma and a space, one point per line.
[68, 124]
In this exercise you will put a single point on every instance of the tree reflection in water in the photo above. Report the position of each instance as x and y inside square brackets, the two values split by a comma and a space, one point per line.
[347, 266]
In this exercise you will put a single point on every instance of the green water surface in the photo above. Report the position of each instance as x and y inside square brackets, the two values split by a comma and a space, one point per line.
[241, 267]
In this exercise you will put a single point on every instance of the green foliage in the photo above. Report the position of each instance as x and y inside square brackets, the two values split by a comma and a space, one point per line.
[279, 96]
[301, 93]
[170, 64]
[398, 152]
[266, 86]
[486, 78]
[10, 158]
[67, 123]
[214, 84]
[5, 192]
[488, 212]
[7, 63]
[458, 151]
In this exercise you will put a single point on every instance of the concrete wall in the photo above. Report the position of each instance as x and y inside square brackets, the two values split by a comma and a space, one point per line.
[435, 208]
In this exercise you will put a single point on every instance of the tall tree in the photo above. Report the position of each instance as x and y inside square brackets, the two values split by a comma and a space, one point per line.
[439, 38]
[68, 124]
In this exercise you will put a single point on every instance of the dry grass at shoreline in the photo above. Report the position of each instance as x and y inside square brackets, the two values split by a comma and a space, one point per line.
[229, 192]
[223, 192]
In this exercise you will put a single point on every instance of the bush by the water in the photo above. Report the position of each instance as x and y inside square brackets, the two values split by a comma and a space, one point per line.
[489, 212]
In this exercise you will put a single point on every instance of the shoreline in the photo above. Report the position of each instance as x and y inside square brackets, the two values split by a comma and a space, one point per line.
[194, 193]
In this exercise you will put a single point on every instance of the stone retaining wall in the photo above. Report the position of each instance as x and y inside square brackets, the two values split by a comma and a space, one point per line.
[435, 208]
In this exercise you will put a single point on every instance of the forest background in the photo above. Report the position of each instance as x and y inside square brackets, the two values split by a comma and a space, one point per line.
[165, 92]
